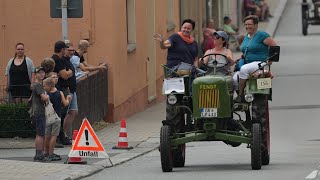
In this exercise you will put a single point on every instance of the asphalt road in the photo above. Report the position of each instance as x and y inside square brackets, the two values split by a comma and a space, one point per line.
[294, 116]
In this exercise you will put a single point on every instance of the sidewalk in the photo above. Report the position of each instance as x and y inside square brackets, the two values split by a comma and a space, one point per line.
[16, 155]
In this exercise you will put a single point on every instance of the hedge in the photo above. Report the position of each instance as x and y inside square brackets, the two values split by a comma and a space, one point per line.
[15, 121]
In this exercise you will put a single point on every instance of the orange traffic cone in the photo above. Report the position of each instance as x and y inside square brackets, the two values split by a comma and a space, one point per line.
[123, 140]
[75, 160]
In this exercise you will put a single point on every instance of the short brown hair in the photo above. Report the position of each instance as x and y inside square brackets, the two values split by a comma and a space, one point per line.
[48, 64]
[254, 18]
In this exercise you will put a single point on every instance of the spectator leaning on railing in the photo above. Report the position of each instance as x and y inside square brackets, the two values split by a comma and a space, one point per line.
[78, 61]
[19, 76]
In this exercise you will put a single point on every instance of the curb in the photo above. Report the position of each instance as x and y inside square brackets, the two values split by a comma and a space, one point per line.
[74, 172]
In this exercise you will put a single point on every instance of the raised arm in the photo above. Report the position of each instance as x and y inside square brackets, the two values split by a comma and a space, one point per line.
[164, 44]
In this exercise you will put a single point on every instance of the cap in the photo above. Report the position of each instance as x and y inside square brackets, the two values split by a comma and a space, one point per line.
[38, 69]
[222, 34]
[59, 45]
[226, 18]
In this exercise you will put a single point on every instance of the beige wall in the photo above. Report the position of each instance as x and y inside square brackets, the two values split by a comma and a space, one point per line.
[104, 24]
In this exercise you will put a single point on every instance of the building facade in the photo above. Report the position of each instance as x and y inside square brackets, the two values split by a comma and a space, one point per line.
[120, 33]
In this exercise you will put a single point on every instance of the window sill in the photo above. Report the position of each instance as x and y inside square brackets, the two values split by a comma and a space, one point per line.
[170, 27]
[131, 47]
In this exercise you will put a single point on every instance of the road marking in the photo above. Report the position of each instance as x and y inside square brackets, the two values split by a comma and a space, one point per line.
[313, 174]
[316, 106]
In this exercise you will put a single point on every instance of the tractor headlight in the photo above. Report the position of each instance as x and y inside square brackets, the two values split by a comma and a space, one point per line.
[249, 97]
[172, 99]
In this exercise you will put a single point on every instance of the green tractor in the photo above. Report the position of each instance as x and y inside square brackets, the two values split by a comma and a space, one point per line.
[200, 107]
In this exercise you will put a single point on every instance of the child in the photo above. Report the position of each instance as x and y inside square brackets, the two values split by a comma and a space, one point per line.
[39, 97]
[52, 130]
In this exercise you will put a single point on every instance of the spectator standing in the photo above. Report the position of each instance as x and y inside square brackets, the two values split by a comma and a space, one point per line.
[52, 130]
[72, 110]
[37, 111]
[64, 73]
[48, 65]
[19, 75]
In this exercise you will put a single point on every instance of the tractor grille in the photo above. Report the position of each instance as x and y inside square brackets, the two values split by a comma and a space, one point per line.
[209, 98]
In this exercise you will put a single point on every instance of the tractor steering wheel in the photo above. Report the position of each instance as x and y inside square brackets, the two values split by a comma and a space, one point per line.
[221, 62]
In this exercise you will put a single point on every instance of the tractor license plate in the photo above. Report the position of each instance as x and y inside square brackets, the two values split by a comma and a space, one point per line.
[264, 83]
[173, 85]
[209, 112]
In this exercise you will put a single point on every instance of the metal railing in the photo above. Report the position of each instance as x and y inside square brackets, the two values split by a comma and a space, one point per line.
[92, 96]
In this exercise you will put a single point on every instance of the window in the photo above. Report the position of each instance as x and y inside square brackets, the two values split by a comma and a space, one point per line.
[131, 25]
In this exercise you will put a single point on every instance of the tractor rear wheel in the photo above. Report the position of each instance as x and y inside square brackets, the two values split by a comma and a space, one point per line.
[165, 149]
[260, 114]
[256, 147]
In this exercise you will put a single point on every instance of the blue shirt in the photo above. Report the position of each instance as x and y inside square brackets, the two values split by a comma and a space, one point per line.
[257, 50]
[180, 51]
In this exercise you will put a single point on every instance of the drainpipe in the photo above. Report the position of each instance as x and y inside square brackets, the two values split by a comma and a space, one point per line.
[64, 11]
[210, 4]
[92, 22]
[3, 30]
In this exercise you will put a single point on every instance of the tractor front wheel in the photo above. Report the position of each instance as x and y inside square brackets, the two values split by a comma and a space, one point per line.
[165, 149]
[179, 156]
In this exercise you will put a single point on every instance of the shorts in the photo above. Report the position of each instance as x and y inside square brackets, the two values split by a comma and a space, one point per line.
[53, 129]
[40, 124]
[74, 102]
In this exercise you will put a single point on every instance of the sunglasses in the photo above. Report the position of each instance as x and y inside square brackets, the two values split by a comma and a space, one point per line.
[216, 36]
[20, 49]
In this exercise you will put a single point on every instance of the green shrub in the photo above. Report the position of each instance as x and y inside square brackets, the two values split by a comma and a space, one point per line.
[15, 121]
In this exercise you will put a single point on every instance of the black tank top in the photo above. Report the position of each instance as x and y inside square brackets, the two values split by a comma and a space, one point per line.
[55, 99]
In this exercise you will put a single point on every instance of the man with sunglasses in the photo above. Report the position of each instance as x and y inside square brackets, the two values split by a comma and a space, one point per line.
[64, 72]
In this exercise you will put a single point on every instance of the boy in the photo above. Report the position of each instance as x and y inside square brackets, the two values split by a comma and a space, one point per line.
[39, 97]
[52, 130]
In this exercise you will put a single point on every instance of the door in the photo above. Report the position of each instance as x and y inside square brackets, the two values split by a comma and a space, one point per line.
[151, 59]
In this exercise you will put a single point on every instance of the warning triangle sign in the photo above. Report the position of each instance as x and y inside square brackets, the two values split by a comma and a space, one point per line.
[87, 143]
